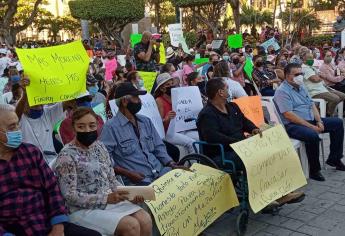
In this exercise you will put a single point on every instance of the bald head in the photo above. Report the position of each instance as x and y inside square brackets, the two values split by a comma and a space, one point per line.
[146, 37]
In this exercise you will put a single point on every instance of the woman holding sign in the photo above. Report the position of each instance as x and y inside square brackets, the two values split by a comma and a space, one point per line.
[165, 83]
[88, 183]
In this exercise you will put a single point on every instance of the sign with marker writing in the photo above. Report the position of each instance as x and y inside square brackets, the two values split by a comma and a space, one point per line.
[187, 103]
[149, 109]
[175, 33]
[271, 42]
[272, 165]
[188, 202]
[148, 78]
[251, 108]
[56, 73]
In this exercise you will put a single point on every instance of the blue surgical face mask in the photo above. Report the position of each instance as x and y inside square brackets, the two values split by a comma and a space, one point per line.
[35, 114]
[226, 58]
[14, 138]
[141, 83]
[15, 78]
[93, 90]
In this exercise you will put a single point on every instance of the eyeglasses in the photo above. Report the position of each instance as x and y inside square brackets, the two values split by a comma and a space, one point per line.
[298, 74]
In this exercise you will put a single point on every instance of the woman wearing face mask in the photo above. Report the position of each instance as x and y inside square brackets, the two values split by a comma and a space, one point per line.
[194, 79]
[163, 99]
[89, 186]
[264, 77]
[331, 74]
[92, 87]
[236, 68]
[280, 64]
[134, 78]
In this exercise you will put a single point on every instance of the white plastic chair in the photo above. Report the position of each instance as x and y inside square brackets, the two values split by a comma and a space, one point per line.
[298, 145]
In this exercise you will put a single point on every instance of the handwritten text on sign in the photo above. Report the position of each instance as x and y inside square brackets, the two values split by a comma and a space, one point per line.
[175, 32]
[272, 165]
[251, 108]
[56, 73]
[187, 202]
[187, 103]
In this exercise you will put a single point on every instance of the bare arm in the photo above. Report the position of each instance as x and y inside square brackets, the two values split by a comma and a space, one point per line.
[23, 101]
[293, 118]
[146, 56]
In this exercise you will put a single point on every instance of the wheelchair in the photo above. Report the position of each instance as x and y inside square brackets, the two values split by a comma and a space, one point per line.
[238, 177]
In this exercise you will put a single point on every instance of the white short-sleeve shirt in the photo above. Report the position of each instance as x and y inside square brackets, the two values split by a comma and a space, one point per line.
[39, 131]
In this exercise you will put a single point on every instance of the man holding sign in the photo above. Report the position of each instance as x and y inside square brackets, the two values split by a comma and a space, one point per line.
[224, 123]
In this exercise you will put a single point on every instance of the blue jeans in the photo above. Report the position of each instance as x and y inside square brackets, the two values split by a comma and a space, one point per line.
[333, 126]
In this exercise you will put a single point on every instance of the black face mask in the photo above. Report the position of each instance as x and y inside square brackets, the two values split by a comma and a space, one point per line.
[87, 138]
[259, 64]
[202, 86]
[134, 108]
[168, 91]
[236, 61]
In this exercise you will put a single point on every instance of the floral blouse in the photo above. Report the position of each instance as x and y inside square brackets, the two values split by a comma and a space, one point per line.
[86, 177]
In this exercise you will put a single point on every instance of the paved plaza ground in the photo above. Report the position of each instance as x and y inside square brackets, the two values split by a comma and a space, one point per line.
[322, 212]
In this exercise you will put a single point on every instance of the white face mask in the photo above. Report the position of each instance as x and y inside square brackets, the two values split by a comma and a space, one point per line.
[298, 80]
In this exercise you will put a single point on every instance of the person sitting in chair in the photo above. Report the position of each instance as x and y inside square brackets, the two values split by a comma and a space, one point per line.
[224, 123]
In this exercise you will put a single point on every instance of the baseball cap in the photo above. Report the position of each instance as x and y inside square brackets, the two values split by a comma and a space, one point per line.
[127, 88]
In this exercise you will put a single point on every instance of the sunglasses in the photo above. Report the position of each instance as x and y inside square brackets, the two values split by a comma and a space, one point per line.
[298, 74]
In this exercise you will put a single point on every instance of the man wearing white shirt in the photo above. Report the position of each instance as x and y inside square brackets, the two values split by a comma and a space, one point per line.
[37, 123]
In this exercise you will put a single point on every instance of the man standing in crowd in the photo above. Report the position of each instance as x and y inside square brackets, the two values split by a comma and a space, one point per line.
[303, 122]
[145, 54]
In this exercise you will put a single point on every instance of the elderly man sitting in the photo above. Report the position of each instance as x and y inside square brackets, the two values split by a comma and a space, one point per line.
[133, 142]
[31, 202]
[303, 122]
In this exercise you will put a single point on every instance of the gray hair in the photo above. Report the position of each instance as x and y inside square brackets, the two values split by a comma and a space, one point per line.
[118, 100]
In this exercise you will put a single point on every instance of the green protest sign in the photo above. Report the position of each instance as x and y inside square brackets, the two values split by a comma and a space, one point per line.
[235, 41]
[248, 68]
[201, 60]
[135, 38]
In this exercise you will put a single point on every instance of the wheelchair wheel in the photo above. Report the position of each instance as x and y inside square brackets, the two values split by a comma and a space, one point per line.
[242, 222]
[197, 158]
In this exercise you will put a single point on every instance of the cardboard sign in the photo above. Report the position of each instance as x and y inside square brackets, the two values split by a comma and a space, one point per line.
[175, 33]
[187, 103]
[272, 165]
[235, 41]
[249, 68]
[135, 38]
[149, 79]
[184, 45]
[271, 42]
[56, 73]
[149, 109]
[201, 60]
[251, 107]
[188, 202]
[121, 59]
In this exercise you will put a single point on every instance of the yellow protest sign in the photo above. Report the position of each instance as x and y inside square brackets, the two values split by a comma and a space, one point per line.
[272, 165]
[187, 202]
[56, 73]
[148, 78]
[163, 59]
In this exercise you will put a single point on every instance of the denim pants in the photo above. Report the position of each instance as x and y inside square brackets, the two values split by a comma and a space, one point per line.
[333, 126]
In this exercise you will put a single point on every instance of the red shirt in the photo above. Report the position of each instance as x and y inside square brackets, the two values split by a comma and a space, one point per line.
[166, 108]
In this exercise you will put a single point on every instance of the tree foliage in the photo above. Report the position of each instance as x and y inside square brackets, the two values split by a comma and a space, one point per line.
[110, 16]
[252, 17]
[16, 16]
[192, 3]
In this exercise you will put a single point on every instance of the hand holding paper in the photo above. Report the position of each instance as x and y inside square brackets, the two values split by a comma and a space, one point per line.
[146, 192]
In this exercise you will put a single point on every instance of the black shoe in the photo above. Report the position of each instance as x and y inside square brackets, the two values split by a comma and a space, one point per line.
[337, 164]
[317, 176]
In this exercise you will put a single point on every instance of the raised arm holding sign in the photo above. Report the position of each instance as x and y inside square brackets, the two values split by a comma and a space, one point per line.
[56, 73]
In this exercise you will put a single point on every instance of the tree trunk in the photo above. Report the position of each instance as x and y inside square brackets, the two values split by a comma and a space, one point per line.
[290, 18]
[235, 6]
[84, 29]
[274, 12]
[157, 14]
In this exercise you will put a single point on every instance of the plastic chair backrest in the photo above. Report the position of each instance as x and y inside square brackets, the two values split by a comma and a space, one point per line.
[272, 110]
